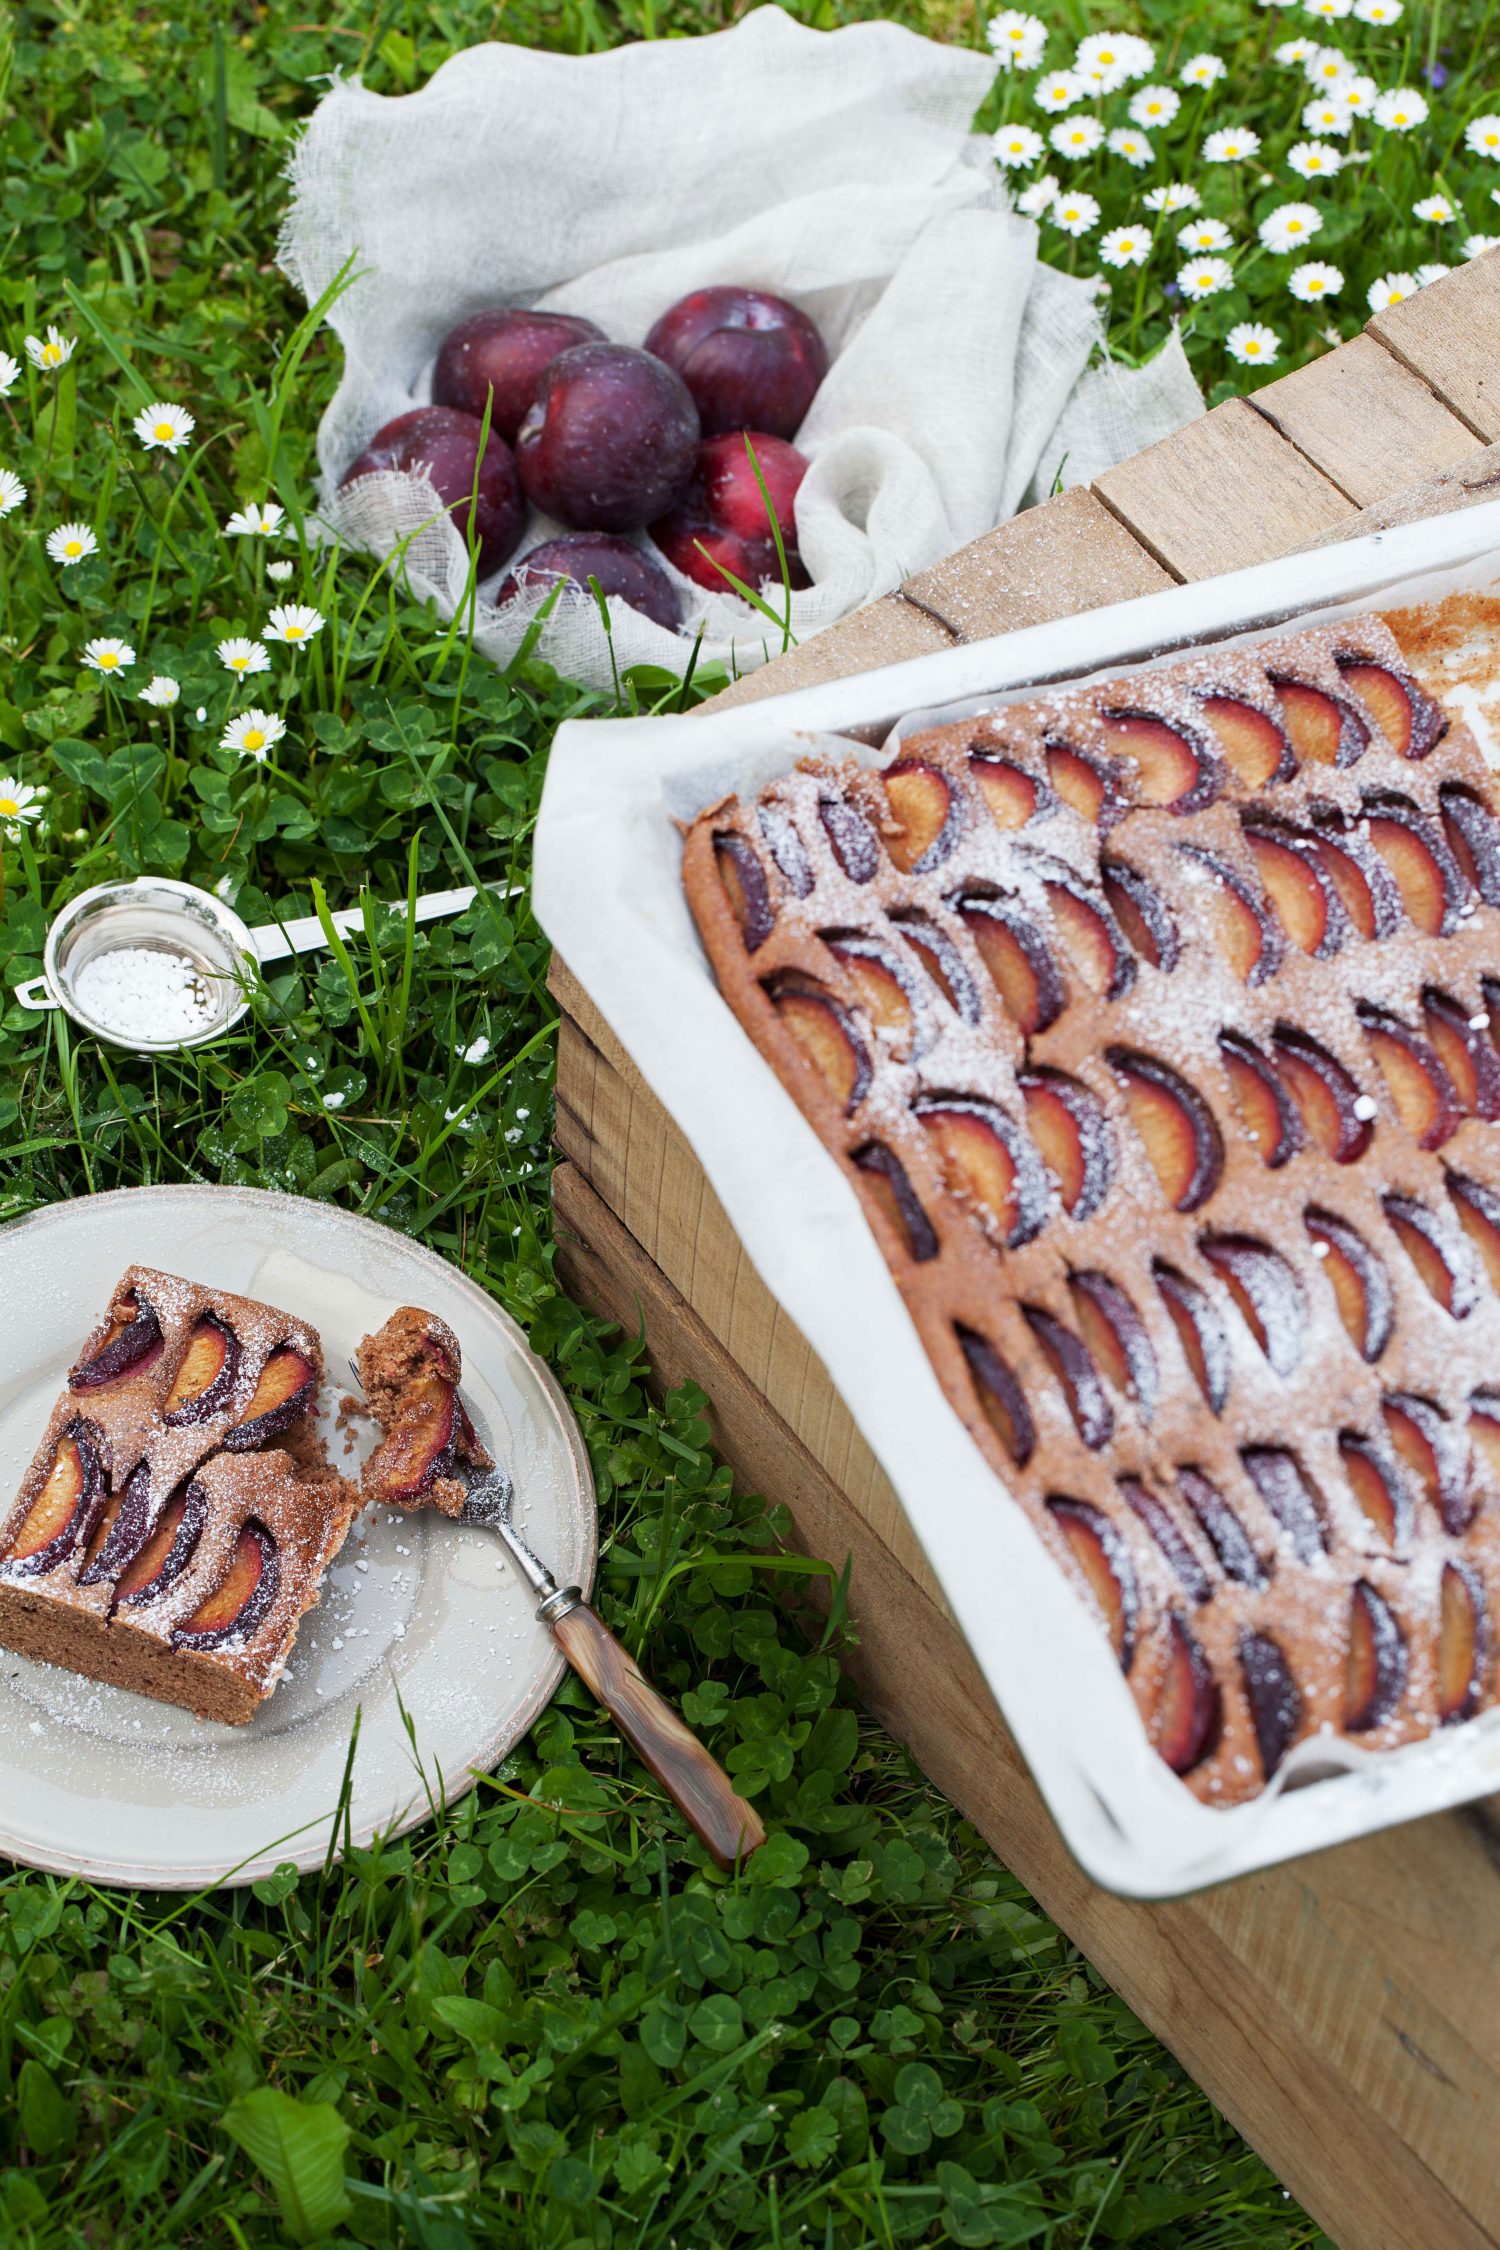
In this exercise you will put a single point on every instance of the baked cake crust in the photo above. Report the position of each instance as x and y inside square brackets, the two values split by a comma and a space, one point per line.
[1151, 1022]
[179, 1514]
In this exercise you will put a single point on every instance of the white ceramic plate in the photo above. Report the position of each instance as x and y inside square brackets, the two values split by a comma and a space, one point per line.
[416, 1613]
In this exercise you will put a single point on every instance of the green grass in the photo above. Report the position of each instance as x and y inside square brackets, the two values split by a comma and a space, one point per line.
[542, 2019]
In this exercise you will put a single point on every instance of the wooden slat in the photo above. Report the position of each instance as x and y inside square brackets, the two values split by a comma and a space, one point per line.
[1366, 421]
[1344, 2012]
[884, 632]
[1220, 493]
[1464, 486]
[1449, 334]
[1070, 554]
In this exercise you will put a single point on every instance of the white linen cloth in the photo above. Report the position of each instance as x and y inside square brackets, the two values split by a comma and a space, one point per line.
[834, 168]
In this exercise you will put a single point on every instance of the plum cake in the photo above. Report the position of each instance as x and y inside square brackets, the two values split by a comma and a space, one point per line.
[1156, 1024]
[411, 1369]
[180, 1512]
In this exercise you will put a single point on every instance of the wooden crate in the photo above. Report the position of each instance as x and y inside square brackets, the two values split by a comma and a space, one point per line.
[1344, 2012]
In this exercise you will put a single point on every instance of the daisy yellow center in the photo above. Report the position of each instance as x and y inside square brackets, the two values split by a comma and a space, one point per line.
[238, 663]
[51, 353]
[73, 547]
[294, 632]
[1315, 289]
[1251, 347]
[8, 806]
[164, 430]
[109, 660]
[254, 739]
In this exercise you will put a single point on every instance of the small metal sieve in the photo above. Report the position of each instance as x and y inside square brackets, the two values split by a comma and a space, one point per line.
[177, 918]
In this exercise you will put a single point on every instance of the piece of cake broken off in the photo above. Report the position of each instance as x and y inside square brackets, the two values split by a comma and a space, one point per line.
[180, 1513]
[411, 1370]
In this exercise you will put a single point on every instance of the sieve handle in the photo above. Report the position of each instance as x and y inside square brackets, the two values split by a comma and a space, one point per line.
[273, 941]
[35, 992]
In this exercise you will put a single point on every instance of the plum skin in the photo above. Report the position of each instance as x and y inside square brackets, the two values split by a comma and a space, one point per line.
[725, 511]
[503, 354]
[444, 444]
[752, 361]
[621, 569]
[609, 441]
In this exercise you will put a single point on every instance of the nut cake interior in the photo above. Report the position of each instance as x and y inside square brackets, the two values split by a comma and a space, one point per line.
[1157, 1025]
[180, 1512]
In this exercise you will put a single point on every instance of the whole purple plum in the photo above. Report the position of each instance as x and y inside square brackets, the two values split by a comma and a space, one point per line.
[619, 567]
[504, 351]
[751, 360]
[724, 511]
[610, 439]
[444, 444]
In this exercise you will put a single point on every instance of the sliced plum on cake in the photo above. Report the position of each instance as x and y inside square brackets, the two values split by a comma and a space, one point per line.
[1169, 766]
[1273, 1696]
[927, 815]
[1019, 960]
[1116, 1335]
[1405, 713]
[1266, 1110]
[240, 1603]
[1091, 939]
[1245, 930]
[890, 1184]
[1151, 1510]
[1266, 1293]
[1289, 1498]
[1351, 867]
[998, 1395]
[854, 842]
[1463, 1046]
[1421, 1091]
[1138, 909]
[1337, 1117]
[1426, 874]
[1463, 1642]
[1254, 743]
[1377, 1661]
[132, 1342]
[1199, 1331]
[66, 1508]
[1103, 1562]
[1473, 835]
[1302, 897]
[1478, 1210]
[1189, 1707]
[1083, 784]
[1012, 796]
[988, 1162]
[1358, 1278]
[743, 881]
[942, 962]
[1436, 1456]
[284, 1392]
[885, 986]
[1073, 1365]
[1175, 1124]
[162, 1554]
[826, 1033]
[1379, 1489]
[1222, 1528]
[205, 1378]
[1437, 1248]
[1072, 1137]
[1324, 729]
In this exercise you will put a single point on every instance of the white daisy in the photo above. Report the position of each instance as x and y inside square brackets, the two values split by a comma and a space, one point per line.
[1201, 70]
[1075, 214]
[242, 657]
[1133, 147]
[1177, 195]
[1333, 11]
[256, 733]
[1390, 289]
[162, 428]
[1076, 136]
[12, 491]
[1125, 246]
[106, 654]
[1253, 344]
[1482, 136]
[1431, 273]
[19, 802]
[1017, 145]
[1108, 59]
[1435, 208]
[1017, 40]
[280, 571]
[1477, 244]
[70, 543]
[1154, 105]
[256, 522]
[1205, 277]
[1315, 160]
[1296, 51]
[1230, 145]
[1400, 111]
[163, 691]
[1058, 90]
[1313, 282]
[1358, 96]
[294, 623]
[1203, 235]
[1035, 199]
[52, 351]
[10, 374]
[1325, 116]
[1378, 11]
[1290, 226]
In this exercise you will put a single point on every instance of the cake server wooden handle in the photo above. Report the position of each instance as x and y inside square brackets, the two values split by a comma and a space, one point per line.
[728, 1828]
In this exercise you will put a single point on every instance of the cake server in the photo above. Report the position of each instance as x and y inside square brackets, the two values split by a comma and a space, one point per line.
[728, 1828]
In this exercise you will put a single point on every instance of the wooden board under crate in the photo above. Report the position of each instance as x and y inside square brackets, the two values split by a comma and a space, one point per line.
[1344, 2012]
